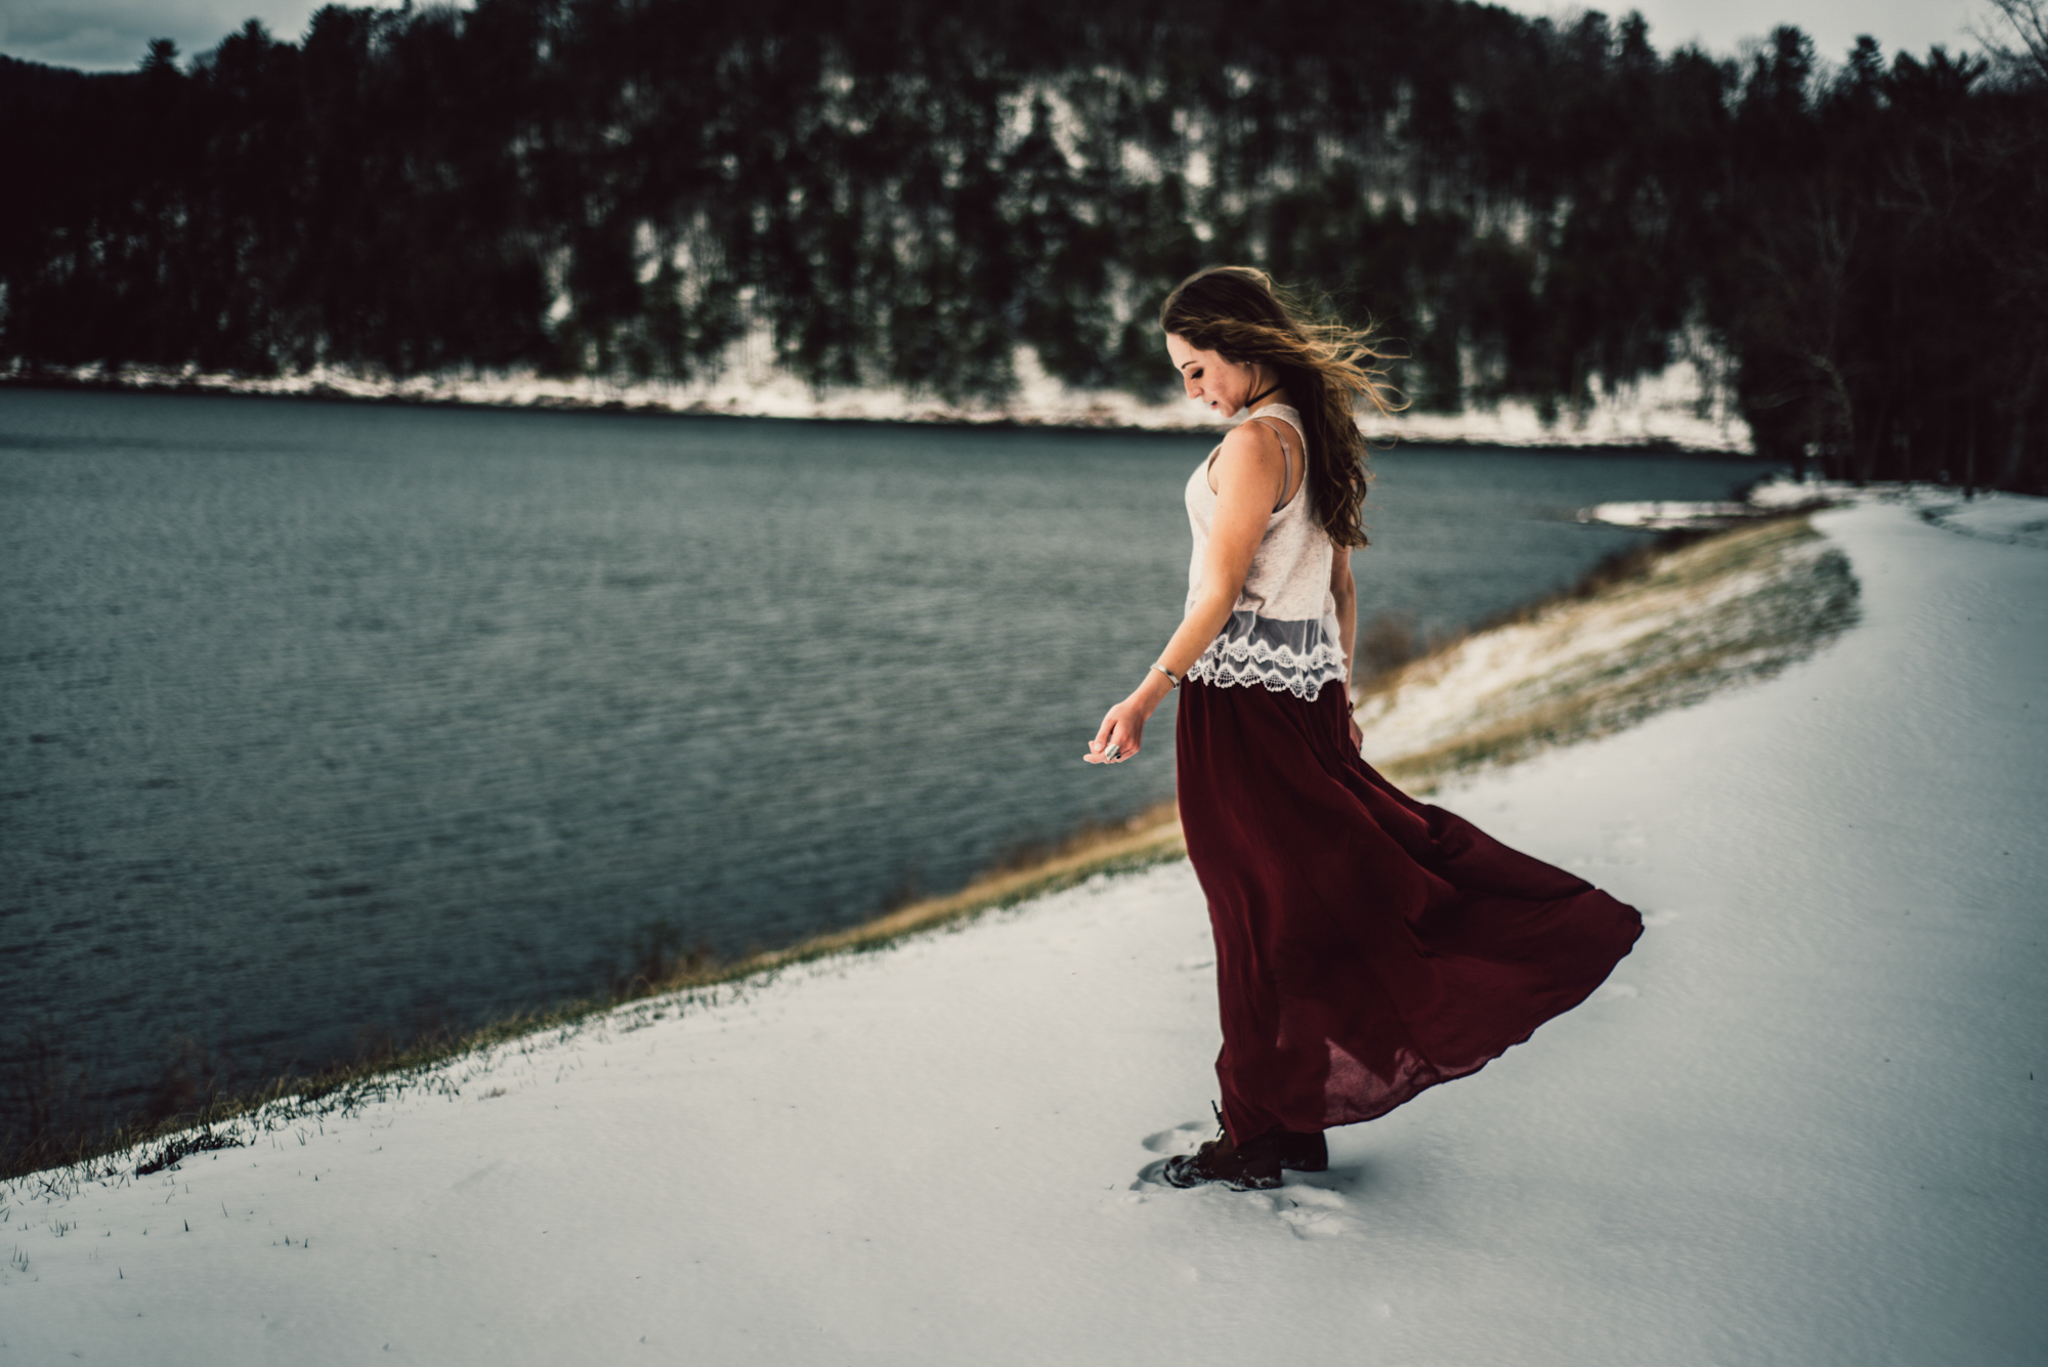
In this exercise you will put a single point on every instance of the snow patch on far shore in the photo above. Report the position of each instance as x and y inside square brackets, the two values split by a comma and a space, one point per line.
[1780, 494]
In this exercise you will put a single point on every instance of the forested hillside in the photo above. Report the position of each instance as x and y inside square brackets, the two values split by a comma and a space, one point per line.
[905, 191]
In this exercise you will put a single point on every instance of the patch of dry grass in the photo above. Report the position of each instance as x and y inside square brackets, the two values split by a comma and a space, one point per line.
[1688, 622]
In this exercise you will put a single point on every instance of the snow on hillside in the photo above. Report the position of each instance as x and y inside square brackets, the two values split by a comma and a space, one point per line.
[1800, 1123]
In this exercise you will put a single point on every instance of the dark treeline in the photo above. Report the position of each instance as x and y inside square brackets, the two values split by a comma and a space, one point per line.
[902, 192]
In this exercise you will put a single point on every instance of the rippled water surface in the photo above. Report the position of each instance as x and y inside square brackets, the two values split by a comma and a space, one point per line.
[322, 721]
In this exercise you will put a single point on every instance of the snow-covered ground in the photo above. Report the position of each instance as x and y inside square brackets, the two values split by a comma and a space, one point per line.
[1663, 410]
[1800, 1124]
[2014, 519]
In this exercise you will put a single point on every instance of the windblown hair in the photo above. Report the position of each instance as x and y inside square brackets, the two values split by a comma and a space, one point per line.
[1327, 368]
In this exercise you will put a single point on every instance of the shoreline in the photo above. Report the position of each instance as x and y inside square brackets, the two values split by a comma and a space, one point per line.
[1149, 837]
[1661, 414]
[1800, 1121]
[160, 1064]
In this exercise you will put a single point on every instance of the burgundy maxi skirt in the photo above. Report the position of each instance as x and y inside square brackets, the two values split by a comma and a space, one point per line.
[1367, 945]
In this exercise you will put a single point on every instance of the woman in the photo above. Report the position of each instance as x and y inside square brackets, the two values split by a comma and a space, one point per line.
[1367, 945]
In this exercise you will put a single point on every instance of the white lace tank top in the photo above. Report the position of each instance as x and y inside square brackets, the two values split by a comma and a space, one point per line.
[1283, 631]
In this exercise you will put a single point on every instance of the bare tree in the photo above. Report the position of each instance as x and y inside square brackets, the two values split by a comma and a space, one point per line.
[1801, 261]
[2028, 21]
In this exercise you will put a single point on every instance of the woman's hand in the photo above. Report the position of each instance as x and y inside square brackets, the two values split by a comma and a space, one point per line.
[1124, 725]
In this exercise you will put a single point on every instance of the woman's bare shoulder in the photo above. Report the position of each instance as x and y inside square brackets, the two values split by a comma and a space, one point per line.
[1250, 443]
[1250, 455]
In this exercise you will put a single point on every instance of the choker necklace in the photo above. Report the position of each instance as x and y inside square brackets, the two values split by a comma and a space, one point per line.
[1269, 389]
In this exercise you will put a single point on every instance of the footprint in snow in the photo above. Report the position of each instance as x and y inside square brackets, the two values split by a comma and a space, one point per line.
[1312, 1205]
[1181, 1138]
[1311, 1211]
[1308, 1205]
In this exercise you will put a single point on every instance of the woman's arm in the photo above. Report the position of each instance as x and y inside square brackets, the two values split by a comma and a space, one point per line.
[1345, 590]
[1250, 472]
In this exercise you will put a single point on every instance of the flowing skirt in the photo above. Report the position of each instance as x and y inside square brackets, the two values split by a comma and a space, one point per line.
[1367, 945]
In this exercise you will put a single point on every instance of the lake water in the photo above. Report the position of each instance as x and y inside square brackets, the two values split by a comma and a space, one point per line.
[320, 722]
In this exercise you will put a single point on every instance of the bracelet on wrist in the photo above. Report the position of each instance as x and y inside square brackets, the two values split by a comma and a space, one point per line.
[1172, 679]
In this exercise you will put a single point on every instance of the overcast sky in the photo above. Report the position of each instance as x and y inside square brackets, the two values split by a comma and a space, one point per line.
[106, 35]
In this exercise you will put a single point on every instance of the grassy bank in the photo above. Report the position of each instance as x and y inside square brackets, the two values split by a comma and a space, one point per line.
[1681, 623]
[1661, 628]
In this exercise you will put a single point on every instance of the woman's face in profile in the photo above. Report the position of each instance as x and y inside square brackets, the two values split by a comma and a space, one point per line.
[1209, 379]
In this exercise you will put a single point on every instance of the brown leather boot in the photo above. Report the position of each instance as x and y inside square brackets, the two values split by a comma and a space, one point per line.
[1255, 1167]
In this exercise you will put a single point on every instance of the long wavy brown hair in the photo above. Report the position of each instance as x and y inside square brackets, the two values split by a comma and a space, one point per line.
[1327, 368]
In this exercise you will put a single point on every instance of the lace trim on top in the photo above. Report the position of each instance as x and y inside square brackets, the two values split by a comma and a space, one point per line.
[1297, 656]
